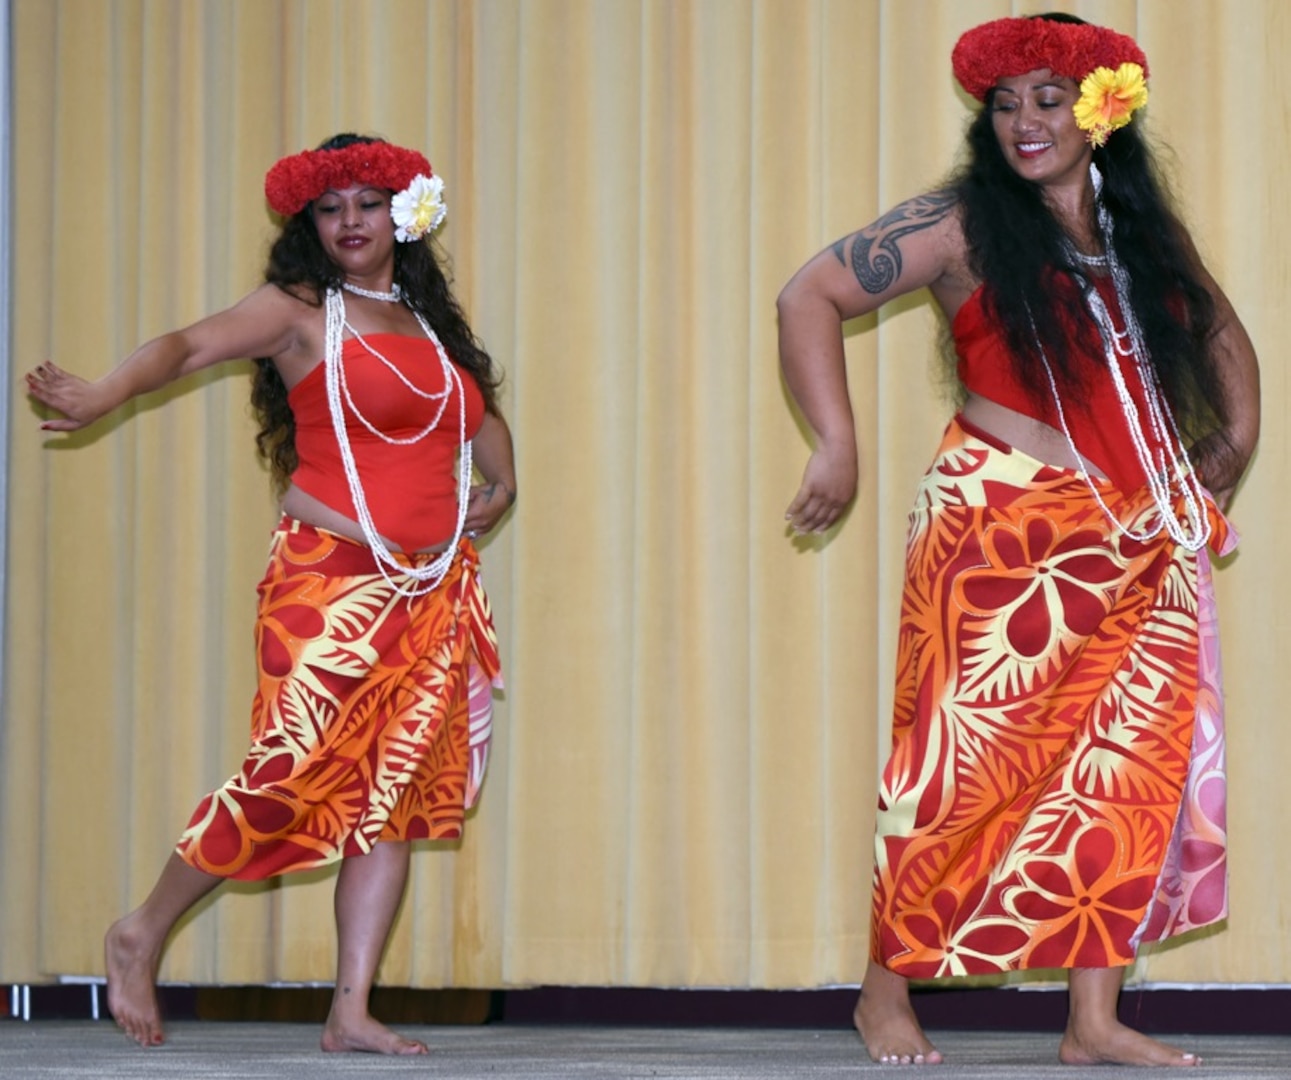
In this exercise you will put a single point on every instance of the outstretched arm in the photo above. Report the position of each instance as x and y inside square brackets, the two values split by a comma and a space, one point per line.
[911, 246]
[262, 324]
[494, 459]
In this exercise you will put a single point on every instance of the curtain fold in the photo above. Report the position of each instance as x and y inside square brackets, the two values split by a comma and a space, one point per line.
[697, 704]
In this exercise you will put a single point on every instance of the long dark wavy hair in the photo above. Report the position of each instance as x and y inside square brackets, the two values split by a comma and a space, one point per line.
[1019, 250]
[299, 265]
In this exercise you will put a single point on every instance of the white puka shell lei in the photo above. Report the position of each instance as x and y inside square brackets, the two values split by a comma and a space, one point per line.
[423, 578]
[1169, 470]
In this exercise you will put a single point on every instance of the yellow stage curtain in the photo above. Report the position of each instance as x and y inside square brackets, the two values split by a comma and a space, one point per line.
[696, 707]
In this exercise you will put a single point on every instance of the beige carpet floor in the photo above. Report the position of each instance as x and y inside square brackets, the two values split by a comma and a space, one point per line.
[213, 1050]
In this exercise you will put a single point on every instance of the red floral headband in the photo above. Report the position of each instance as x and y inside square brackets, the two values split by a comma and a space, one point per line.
[296, 181]
[1006, 47]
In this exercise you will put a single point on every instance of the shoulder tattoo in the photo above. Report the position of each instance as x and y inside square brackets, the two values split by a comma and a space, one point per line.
[876, 258]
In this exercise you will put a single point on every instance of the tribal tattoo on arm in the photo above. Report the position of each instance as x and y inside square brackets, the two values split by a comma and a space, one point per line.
[491, 489]
[876, 258]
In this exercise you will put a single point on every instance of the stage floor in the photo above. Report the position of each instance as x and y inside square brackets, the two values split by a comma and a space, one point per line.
[213, 1050]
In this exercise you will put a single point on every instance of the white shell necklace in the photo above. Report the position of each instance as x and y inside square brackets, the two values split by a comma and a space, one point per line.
[392, 297]
[1168, 470]
[429, 576]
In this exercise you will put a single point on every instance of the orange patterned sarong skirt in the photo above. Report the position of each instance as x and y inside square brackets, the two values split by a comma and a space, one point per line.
[1055, 794]
[372, 719]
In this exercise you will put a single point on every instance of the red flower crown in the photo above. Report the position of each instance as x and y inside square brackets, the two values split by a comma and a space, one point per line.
[1006, 47]
[296, 181]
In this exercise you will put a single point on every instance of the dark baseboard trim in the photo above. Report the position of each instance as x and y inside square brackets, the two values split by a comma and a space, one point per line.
[1217, 1011]
[1209, 1011]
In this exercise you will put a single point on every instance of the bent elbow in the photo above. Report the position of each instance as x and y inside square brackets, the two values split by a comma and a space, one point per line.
[799, 301]
[784, 301]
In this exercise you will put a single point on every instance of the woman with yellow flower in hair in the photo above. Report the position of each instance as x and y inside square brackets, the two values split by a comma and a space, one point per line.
[1054, 798]
[370, 727]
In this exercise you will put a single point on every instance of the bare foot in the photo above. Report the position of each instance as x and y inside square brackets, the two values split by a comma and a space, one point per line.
[132, 976]
[367, 1036]
[1099, 1044]
[887, 1023]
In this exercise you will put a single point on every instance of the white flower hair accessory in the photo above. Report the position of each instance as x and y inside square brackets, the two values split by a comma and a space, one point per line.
[418, 209]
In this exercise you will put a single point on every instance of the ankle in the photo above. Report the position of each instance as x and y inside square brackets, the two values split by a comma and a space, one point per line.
[883, 989]
[348, 1006]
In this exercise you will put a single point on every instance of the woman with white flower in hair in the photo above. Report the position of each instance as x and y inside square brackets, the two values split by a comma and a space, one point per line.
[1054, 797]
[377, 656]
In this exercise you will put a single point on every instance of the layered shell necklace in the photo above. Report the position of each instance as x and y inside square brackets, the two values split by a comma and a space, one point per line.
[397, 574]
[1159, 448]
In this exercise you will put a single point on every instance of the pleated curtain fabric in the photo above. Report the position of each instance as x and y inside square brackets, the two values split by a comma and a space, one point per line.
[684, 774]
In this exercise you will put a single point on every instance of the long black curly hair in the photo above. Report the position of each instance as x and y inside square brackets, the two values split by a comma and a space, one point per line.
[299, 265]
[1020, 251]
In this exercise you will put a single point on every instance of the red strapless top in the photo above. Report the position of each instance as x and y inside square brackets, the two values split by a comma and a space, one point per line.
[1094, 415]
[411, 490]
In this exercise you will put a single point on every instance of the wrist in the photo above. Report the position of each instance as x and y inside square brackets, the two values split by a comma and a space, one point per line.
[837, 444]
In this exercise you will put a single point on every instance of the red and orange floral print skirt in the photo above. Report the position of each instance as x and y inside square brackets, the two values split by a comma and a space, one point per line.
[1055, 794]
[372, 719]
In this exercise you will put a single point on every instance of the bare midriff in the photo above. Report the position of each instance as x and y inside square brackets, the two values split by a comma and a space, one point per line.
[1033, 437]
[304, 507]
